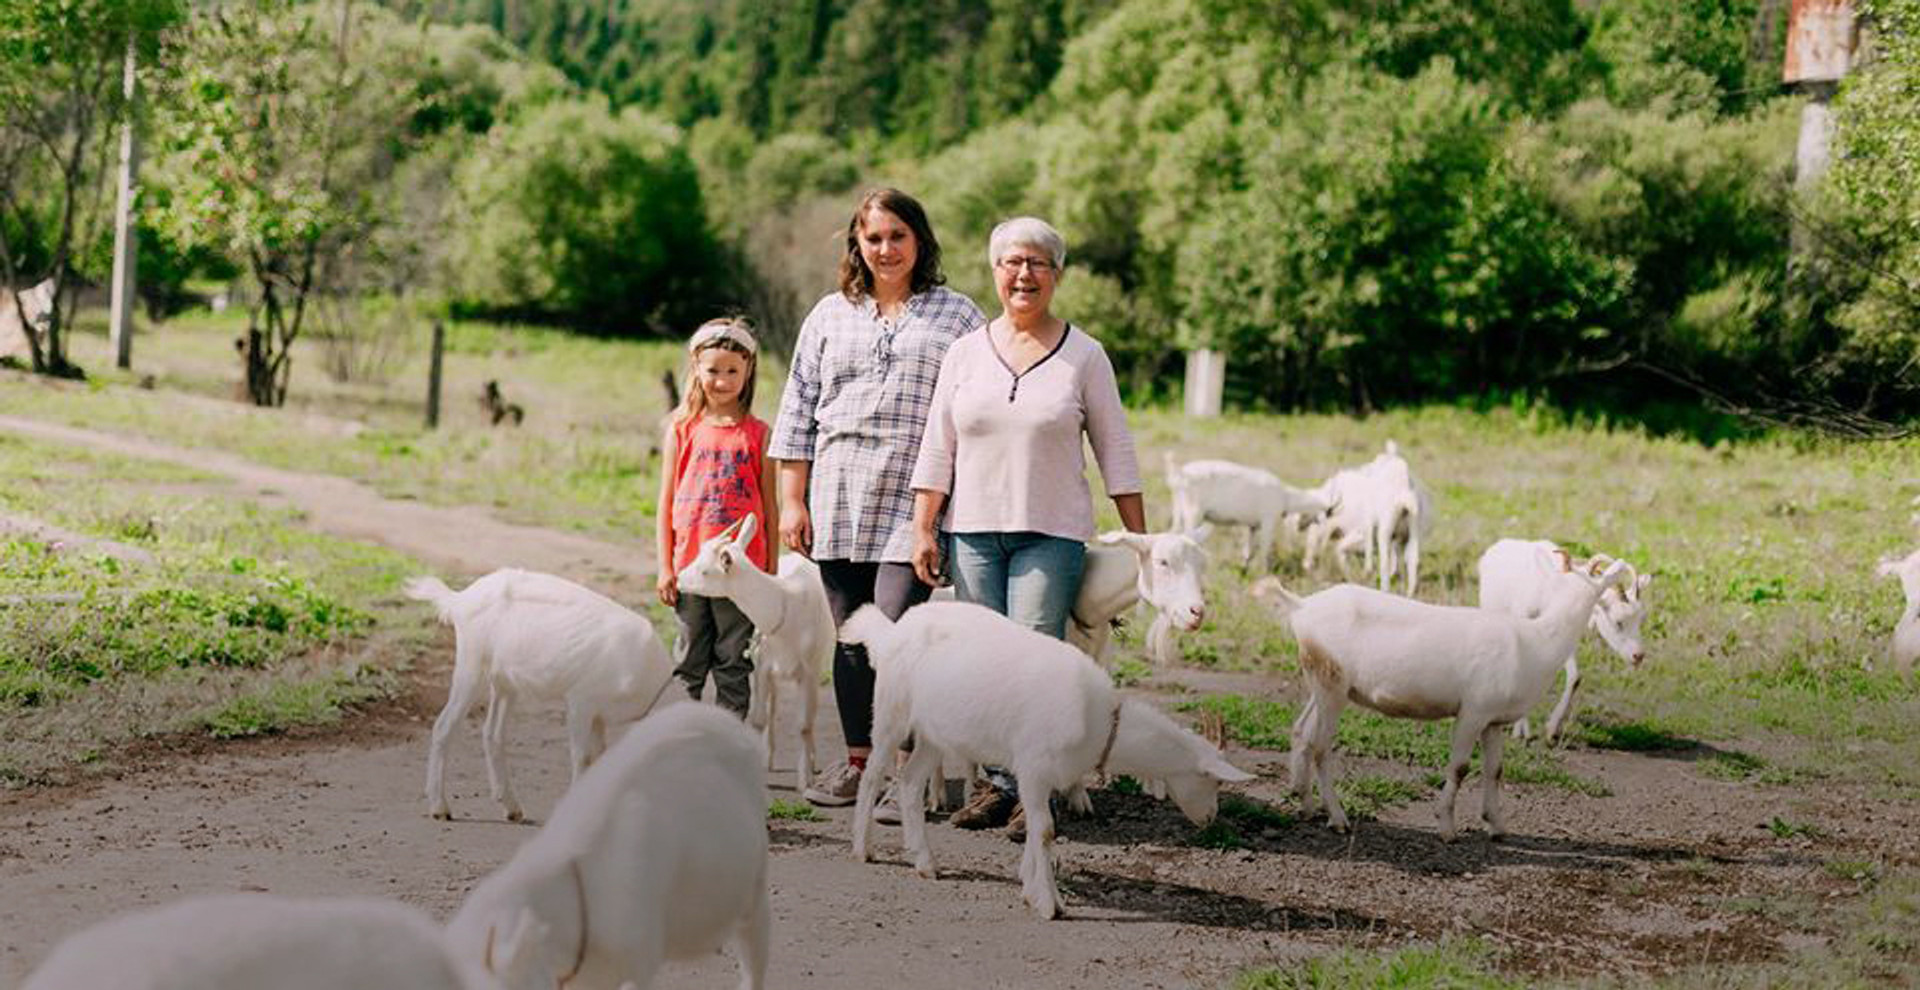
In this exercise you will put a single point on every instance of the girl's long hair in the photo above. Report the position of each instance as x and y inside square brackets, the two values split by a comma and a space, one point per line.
[856, 279]
[693, 400]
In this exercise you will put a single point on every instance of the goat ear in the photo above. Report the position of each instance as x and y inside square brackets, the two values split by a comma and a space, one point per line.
[1139, 544]
[1219, 769]
[746, 525]
[1565, 559]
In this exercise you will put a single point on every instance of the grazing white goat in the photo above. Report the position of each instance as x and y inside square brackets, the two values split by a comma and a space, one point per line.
[792, 627]
[658, 852]
[521, 634]
[1379, 509]
[1409, 659]
[966, 681]
[1232, 494]
[1162, 569]
[1513, 578]
[1905, 648]
[260, 942]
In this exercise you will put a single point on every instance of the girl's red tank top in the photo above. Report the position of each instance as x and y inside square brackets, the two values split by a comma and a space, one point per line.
[718, 482]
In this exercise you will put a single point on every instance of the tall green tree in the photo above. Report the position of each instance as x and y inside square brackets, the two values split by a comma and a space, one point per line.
[279, 131]
[60, 97]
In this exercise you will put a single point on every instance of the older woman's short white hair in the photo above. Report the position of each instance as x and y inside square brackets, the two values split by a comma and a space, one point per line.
[1030, 232]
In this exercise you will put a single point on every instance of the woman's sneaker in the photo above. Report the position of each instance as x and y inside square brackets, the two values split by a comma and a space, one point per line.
[886, 811]
[836, 787]
[988, 807]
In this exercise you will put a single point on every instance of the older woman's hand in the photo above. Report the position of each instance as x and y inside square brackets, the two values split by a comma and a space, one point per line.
[926, 559]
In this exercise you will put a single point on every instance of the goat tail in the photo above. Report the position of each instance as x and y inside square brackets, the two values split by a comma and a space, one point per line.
[432, 589]
[869, 627]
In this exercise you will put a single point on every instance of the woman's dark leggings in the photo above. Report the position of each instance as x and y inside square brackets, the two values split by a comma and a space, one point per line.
[851, 584]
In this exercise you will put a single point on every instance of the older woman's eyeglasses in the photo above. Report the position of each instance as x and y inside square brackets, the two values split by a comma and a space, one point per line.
[1038, 266]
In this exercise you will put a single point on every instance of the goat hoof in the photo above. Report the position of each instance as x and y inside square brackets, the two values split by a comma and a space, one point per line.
[516, 815]
[928, 872]
[440, 814]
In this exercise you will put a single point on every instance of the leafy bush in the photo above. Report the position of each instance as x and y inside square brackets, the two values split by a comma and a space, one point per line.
[579, 213]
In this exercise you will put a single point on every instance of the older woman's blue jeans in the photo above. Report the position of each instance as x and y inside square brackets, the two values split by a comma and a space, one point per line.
[1031, 578]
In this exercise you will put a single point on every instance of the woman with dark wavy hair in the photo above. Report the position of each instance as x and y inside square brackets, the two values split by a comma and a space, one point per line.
[855, 406]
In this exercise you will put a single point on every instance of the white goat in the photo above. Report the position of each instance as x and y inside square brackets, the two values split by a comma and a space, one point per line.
[1513, 578]
[793, 628]
[1161, 569]
[1905, 648]
[966, 681]
[658, 852]
[521, 634]
[1379, 509]
[1409, 659]
[1232, 494]
[260, 942]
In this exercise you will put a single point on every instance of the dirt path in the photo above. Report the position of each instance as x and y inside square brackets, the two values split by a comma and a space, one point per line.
[1646, 879]
[461, 540]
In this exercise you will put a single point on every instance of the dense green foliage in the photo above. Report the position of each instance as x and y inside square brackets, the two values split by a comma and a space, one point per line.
[912, 76]
[1870, 239]
[574, 209]
[1364, 202]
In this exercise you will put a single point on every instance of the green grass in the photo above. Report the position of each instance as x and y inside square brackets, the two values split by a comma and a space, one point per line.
[1785, 829]
[585, 458]
[1631, 737]
[1238, 817]
[789, 810]
[1454, 964]
[191, 627]
[1365, 796]
[280, 706]
[1732, 765]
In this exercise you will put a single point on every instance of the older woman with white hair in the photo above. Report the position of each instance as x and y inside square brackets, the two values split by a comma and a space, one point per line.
[1003, 455]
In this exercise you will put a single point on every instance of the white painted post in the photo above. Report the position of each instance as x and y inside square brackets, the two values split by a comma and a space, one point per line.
[1206, 377]
[120, 323]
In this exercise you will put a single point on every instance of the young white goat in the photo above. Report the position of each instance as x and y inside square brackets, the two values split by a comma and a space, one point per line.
[260, 942]
[1237, 495]
[792, 627]
[1379, 509]
[1162, 569]
[967, 682]
[1513, 578]
[521, 634]
[658, 852]
[1409, 659]
[1905, 648]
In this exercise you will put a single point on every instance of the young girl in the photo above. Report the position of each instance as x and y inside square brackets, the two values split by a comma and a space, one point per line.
[716, 471]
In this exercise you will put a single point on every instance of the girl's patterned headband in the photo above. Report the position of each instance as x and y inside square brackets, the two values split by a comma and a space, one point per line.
[720, 330]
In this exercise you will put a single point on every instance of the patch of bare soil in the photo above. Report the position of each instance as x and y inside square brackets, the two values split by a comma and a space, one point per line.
[1664, 873]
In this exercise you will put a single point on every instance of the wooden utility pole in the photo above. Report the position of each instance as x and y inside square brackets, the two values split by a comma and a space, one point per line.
[433, 374]
[124, 243]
